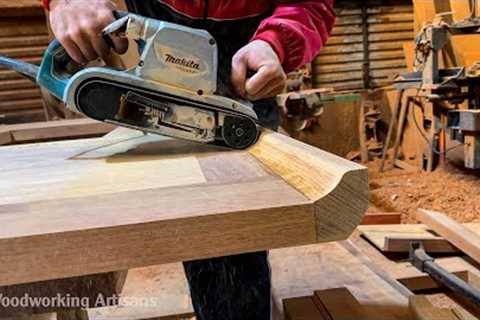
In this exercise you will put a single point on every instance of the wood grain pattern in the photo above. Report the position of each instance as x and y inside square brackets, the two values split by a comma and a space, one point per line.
[422, 309]
[302, 308]
[460, 236]
[396, 238]
[298, 272]
[332, 183]
[376, 218]
[164, 286]
[131, 200]
[340, 304]
[53, 130]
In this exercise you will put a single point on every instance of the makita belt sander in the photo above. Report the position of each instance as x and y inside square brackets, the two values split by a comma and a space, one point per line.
[170, 92]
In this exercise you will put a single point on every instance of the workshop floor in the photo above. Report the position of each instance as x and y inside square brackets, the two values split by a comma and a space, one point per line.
[450, 189]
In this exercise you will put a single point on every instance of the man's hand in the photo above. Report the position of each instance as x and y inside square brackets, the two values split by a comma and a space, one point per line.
[269, 78]
[78, 26]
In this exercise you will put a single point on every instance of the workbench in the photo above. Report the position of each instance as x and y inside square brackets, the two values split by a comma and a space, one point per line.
[129, 200]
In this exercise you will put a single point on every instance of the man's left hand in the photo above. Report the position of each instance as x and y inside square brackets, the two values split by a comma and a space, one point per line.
[269, 78]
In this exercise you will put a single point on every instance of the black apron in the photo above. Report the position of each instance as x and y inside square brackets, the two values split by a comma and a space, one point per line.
[234, 287]
[230, 35]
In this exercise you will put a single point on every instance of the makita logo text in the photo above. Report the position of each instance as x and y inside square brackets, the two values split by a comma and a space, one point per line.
[182, 62]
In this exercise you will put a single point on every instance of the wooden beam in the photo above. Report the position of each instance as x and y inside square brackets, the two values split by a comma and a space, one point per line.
[425, 282]
[302, 308]
[422, 309]
[376, 218]
[340, 304]
[5, 137]
[431, 245]
[405, 273]
[397, 238]
[53, 130]
[463, 238]
[86, 289]
[165, 286]
[342, 265]
[81, 207]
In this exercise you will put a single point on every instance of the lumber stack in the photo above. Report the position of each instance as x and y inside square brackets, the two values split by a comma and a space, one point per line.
[354, 45]
[341, 304]
[24, 36]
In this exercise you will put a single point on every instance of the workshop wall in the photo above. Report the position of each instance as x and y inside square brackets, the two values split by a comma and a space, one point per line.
[366, 47]
[23, 35]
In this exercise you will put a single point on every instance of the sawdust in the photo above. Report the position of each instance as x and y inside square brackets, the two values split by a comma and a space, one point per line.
[449, 189]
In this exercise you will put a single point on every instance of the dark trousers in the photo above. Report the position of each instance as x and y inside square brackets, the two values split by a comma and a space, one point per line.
[230, 288]
[234, 287]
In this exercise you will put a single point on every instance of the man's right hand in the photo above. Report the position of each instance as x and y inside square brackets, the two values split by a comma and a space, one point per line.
[78, 26]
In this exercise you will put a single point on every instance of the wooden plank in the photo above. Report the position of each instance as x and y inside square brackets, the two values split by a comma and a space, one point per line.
[340, 304]
[418, 281]
[20, 8]
[463, 238]
[86, 289]
[462, 314]
[432, 245]
[55, 130]
[396, 238]
[5, 137]
[376, 218]
[298, 272]
[422, 309]
[302, 308]
[405, 273]
[193, 201]
[166, 289]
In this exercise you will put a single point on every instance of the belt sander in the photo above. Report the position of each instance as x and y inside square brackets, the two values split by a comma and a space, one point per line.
[171, 91]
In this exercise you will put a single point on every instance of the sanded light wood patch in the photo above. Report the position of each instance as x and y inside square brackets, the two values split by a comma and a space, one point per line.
[99, 170]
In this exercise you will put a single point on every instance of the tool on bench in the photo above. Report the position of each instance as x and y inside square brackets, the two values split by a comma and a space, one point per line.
[171, 92]
[425, 263]
[448, 97]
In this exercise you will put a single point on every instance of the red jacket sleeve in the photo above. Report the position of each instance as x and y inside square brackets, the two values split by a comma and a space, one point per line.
[297, 31]
[46, 4]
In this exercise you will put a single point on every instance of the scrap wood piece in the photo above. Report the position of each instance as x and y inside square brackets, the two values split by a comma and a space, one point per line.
[415, 280]
[422, 309]
[302, 308]
[463, 238]
[5, 136]
[185, 201]
[462, 314]
[340, 304]
[432, 245]
[163, 288]
[296, 273]
[376, 218]
[86, 289]
[396, 238]
[406, 275]
[53, 130]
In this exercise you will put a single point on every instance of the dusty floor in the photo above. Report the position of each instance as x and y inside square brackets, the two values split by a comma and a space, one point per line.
[449, 189]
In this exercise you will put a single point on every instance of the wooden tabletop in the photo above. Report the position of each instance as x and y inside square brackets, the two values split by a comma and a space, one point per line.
[130, 200]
